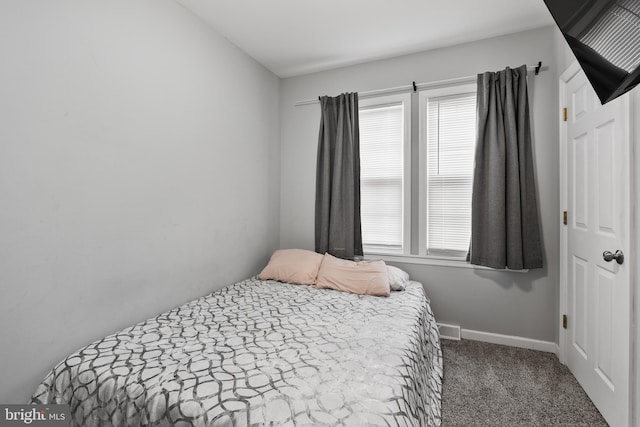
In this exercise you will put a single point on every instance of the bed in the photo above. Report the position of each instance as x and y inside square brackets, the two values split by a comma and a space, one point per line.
[262, 353]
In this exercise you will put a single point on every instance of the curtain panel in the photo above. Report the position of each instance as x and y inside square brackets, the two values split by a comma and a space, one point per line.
[504, 220]
[337, 210]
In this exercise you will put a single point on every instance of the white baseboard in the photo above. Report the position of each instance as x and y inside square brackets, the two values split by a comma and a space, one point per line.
[521, 342]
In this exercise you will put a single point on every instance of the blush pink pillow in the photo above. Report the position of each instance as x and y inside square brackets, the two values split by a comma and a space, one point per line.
[292, 266]
[364, 278]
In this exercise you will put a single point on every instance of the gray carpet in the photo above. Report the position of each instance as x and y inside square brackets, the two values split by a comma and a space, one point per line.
[494, 385]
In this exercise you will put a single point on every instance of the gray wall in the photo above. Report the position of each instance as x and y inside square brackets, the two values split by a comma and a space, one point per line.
[138, 170]
[636, 247]
[519, 304]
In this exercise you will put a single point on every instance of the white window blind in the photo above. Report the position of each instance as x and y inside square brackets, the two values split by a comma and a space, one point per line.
[450, 140]
[381, 176]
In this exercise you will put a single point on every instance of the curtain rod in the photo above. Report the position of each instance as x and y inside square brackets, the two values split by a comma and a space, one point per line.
[415, 87]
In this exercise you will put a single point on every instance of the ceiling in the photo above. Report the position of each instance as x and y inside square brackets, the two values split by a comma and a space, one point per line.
[294, 37]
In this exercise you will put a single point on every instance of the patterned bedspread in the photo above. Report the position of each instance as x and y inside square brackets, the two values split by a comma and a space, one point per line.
[262, 353]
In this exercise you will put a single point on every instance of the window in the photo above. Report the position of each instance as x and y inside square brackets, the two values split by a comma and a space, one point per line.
[448, 117]
[444, 151]
[384, 173]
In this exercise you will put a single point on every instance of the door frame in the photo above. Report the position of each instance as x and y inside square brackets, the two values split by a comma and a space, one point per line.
[563, 336]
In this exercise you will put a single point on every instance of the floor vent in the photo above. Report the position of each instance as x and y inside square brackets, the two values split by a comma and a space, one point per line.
[449, 332]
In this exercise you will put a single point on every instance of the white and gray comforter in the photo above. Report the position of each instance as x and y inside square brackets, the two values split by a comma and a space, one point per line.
[262, 353]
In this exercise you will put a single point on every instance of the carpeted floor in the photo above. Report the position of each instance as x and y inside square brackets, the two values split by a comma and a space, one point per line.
[494, 385]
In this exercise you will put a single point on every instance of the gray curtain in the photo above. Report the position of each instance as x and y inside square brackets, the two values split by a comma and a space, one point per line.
[504, 221]
[338, 229]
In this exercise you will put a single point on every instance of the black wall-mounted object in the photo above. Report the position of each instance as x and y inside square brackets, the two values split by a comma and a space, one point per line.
[604, 35]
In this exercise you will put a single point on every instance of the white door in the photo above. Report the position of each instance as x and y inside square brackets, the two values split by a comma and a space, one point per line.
[598, 303]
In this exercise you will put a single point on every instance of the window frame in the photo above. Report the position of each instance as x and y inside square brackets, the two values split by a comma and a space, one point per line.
[423, 131]
[414, 232]
[403, 99]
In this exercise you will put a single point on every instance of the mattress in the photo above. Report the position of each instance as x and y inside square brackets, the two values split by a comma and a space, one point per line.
[262, 353]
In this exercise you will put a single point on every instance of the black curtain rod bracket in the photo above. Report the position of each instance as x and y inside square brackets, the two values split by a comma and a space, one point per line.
[537, 71]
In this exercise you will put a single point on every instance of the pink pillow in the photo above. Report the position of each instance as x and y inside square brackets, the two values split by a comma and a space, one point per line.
[292, 266]
[364, 278]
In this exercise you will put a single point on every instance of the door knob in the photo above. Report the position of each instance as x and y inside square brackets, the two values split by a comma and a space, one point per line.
[608, 256]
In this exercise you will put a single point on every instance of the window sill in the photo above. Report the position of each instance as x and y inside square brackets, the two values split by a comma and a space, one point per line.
[436, 261]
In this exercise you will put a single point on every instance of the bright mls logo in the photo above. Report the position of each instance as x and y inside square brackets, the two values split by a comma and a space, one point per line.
[37, 415]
